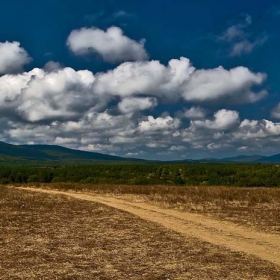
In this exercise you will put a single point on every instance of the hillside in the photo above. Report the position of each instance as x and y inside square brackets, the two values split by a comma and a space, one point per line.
[271, 159]
[241, 158]
[50, 153]
[42, 154]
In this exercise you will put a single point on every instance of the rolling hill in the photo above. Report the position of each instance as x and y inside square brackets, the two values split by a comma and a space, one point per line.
[241, 158]
[271, 159]
[26, 154]
[49, 153]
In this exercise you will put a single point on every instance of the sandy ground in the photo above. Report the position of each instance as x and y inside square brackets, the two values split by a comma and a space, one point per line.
[262, 245]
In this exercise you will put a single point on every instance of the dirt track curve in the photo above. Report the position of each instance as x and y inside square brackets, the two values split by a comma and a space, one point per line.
[226, 234]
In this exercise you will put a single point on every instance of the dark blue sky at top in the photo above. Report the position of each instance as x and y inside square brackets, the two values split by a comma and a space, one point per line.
[171, 28]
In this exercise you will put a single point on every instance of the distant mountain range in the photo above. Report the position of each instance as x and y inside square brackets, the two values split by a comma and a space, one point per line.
[237, 159]
[246, 159]
[22, 154]
[50, 153]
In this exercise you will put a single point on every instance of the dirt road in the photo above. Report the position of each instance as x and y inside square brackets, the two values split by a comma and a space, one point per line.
[225, 234]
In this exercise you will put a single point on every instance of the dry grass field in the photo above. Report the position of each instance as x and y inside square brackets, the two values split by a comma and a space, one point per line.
[253, 207]
[44, 236]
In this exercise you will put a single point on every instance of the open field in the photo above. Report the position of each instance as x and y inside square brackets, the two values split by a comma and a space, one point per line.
[258, 208]
[47, 236]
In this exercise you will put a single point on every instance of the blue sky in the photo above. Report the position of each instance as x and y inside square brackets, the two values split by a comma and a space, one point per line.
[150, 79]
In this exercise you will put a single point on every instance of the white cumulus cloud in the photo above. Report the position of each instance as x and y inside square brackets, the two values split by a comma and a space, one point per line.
[257, 129]
[160, 123]
[223, 119]
[60, 94]
[12, 57]
[195, 113]
[233, 86]
[113, 111]
[275, 113]
[179, 79]
[67, 94]
[112, 45]
[134, 104]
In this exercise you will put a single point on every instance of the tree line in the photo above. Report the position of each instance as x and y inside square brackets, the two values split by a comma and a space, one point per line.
[244, 175]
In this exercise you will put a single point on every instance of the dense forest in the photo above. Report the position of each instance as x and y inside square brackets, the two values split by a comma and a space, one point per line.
[244, 175]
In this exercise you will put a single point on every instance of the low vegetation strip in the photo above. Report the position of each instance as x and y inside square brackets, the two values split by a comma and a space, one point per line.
[262, 245]
[222, 174]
